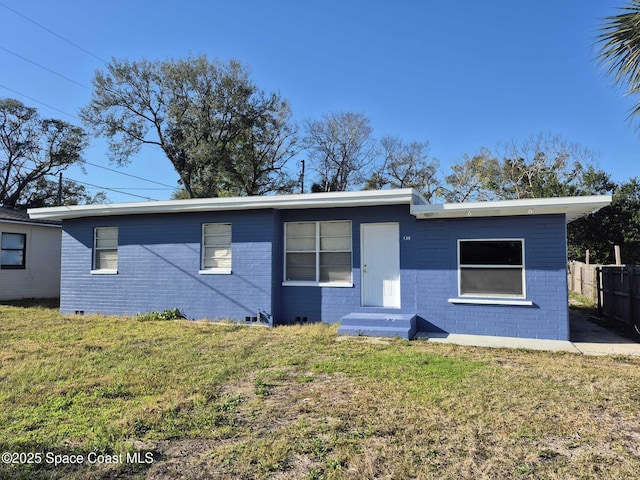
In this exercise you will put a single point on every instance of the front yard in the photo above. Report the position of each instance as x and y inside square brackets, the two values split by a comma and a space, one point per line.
[108, 397]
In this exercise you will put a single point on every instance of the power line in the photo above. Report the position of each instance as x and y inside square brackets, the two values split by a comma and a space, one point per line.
[44, 68]
[5, 161]
[54, 33]
[172, 187]
[38, 101]
[106, 188]
[120, 191]
[144, 188]
[129, 175]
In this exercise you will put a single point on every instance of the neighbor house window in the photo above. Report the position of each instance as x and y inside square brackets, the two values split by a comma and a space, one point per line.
[216, 248]
[491, 268]
[13, 254]
[105, 250]
[318, 252]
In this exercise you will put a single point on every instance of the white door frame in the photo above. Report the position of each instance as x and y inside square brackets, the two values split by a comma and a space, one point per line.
[386, 292]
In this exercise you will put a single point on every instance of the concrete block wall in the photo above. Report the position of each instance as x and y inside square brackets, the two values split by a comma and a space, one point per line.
[330, 304]
[429, 275]
[159, 260]
[159, 263]
[545, 272]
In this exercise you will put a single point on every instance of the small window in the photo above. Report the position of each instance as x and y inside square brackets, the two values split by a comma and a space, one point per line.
[318, 252]
[105, 250]
[216, 248]
[14, 246]
[491, 268]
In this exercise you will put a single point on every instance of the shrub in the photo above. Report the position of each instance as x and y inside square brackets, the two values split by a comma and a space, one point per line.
[169, 314]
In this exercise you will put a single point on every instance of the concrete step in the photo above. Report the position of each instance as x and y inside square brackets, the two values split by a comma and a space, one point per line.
[400, 325]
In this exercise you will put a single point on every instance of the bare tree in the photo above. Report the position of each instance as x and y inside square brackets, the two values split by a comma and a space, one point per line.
[407, 165]
[543, 165]
[471, 178]
[341, 150]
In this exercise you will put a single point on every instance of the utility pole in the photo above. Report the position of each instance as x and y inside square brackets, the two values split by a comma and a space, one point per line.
[60, 190]
[302, 178]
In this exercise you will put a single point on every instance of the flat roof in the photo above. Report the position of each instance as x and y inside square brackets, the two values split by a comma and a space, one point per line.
[278, 202]
[572, 207]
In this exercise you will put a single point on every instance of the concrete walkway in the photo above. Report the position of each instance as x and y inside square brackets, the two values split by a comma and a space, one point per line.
[586, 338]
[592, 339]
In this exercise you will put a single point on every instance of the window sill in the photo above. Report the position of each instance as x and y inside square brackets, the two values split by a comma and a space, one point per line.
[215, 271]
[290, 283]
[104, 272]
[492, 301]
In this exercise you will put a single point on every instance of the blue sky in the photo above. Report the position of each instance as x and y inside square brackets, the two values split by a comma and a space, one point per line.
[460, 75]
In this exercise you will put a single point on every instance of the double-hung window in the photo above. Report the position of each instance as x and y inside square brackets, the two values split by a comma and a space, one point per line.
[13, 254]
[318, 253]
[216, 248]
[105, 250]
[491, 268]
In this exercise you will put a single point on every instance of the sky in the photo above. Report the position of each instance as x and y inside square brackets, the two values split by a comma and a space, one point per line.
[461, 75]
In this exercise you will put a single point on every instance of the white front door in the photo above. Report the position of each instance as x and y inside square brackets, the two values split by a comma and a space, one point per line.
[380, 265]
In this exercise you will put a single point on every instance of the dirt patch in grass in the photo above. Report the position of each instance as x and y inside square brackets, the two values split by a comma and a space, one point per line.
[307, 425]
[320, 429]
[295, 402]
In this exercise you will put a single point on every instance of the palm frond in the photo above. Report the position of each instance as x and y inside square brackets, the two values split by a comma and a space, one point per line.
[619, 40]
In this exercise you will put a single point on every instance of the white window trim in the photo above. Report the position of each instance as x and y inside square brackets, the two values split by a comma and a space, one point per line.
[492, 299]
[103, 271]
[214, 270]
[302, 283]
[317, 251]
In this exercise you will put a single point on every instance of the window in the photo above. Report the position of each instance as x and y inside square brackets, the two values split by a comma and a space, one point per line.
[105, 250]
[216, 248]
[318, 252]
[491, 268]
[14, 246]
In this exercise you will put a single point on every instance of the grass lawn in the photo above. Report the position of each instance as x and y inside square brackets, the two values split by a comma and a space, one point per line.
[202, 400]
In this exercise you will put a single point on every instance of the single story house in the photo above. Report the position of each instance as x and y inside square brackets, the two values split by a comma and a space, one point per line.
[29, 256]
[378, 262]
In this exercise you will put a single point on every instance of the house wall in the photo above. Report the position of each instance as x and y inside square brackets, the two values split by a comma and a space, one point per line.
[429, 275]
[158, 265]
[159, 259]
[545, 272]
[330, 304]
[41, 276]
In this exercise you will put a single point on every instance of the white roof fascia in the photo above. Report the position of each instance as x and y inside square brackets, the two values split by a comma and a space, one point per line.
[32, 224]
[572, 207]
[279, 202]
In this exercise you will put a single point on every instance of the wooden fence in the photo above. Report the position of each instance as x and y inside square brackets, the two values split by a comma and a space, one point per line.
[583, 279]
[620, 293]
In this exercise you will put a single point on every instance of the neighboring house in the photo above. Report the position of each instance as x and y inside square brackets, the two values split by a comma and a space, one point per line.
[380, 262]
[29, 257]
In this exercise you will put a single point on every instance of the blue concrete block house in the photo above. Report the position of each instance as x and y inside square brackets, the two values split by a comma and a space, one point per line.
[378, 262]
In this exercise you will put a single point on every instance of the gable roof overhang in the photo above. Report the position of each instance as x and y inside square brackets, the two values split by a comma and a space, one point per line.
[406, 196]
[572, 207]
[20, 217]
